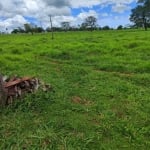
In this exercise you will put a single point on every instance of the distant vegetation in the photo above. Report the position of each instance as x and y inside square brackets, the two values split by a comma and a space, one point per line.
[140, 16]
[90, 24]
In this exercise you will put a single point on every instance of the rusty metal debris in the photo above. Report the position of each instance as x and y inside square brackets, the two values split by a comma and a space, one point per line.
[15, 87]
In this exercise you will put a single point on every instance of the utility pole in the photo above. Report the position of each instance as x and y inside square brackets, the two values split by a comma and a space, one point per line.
[51, 27]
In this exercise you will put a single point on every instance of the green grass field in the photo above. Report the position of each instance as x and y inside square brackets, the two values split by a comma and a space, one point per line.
[102, 91]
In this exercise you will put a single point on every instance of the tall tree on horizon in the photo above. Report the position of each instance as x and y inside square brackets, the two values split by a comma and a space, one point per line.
[141, 14]
[65, 25]
[90, 22]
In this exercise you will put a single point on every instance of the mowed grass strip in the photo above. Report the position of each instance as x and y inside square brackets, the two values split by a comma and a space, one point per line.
[101, 99]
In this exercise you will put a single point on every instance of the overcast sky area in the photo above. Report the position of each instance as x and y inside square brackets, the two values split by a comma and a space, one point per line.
[15, 13]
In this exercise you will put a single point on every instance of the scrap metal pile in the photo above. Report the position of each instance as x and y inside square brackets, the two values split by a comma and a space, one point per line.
[15, 87]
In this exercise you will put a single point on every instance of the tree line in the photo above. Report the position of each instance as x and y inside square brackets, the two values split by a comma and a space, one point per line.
[140, 16]
[89, 24]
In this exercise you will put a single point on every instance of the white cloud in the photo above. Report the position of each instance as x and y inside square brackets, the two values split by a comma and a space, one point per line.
[84, 15]
[75, 21]
[104, 14]
[11, 10]
[16, 21]
[84, 3]
[103, 3]
[120, 8]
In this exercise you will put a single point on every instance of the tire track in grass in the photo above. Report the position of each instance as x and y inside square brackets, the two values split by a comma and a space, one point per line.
[124, 74]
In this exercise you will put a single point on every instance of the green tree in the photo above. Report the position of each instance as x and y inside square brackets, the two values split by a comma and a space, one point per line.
[15, 31]
[120, 27]
[83, 26]
[141, 14]
[90, 22]
[28, 28]
[18, 30]
[65, 25]
[106, 27]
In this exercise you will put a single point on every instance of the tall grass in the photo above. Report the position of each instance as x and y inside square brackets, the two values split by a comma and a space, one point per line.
[101, 99]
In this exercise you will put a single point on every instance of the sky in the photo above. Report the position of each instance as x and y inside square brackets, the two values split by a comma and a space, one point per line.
[15, 13]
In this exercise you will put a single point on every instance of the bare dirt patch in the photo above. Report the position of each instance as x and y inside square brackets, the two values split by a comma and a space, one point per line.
[79, 100]
[115, 73]
[55, 62]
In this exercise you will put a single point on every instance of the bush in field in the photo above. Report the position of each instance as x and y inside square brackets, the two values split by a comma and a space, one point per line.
[120, 27]
[106, 28]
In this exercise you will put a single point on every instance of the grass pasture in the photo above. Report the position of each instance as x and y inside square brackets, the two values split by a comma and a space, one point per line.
[101, 100]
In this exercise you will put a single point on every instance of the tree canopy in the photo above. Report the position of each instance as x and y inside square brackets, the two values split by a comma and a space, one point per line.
[141, 14]
[90, 22]
[65, 25]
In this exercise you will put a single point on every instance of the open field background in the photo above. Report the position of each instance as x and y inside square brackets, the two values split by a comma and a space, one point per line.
[101, 100]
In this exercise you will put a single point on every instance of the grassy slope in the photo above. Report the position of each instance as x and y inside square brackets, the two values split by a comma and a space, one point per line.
[101, 98]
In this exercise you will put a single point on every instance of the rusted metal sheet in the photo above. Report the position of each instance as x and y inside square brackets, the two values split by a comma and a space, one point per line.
[17, 81]
[15, 87]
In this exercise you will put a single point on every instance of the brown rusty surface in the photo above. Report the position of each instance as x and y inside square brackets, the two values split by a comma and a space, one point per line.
[13, 88]
[15, 82]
